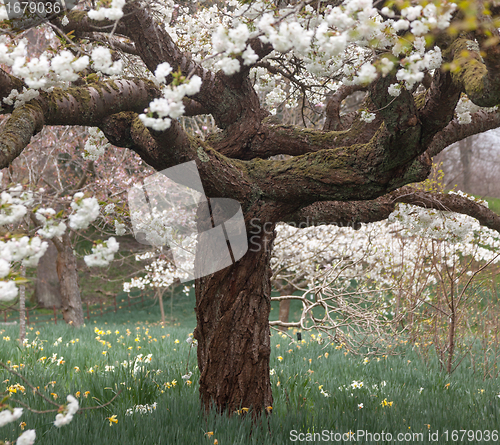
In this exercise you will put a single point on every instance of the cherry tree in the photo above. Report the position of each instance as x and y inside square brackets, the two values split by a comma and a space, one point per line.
[131, 68]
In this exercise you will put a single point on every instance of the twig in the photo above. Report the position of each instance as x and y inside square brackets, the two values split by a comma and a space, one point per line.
[35, 390]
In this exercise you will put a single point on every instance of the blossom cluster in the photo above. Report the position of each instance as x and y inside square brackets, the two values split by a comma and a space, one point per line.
[96, 144]
[103, 61]
[115, 12]
[102, 254]
[51, 227]
[169, 106]
[43, 72]
[465, 108]
[52, 70]
[85, 211]
[8, 415]
[70, 410]
[15, 203]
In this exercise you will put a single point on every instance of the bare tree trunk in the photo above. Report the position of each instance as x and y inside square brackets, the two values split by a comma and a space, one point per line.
[22, 309]
[232, 310]
[160, 300]
[451, 337]
[284, 312]
[465, 147]
[47, 287]
[68, 277]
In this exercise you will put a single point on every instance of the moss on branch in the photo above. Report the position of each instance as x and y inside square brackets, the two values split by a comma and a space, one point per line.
[470, 71]
[24, 123]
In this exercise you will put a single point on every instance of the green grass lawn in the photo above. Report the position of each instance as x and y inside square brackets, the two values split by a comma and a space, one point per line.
[493, 204]
[317, 389]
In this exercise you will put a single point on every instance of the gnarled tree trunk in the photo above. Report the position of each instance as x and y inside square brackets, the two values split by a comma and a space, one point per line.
[232, 310]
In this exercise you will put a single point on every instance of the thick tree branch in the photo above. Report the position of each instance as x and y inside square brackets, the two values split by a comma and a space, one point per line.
[274, 139]
[352, 214]
[449, 203]
[333, 121]
[220, 176]
[89, 105]
[7, 84]
[399, 138]
[86, 106]
[481, 121]
[193, 108]
[477, 76]
[439, 104]
[25, 122]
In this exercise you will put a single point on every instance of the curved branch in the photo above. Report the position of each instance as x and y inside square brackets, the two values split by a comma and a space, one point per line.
[86, 105]
[477, 76]
[272, 139]
[449, 203]
[220, 176]
[439, 105]
[481, 121]
[25, 122]
[193, 108]
[352, 214]
[7, 84]
[333, 121]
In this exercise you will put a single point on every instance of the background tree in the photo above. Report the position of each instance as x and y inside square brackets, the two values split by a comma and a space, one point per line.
[352, 170]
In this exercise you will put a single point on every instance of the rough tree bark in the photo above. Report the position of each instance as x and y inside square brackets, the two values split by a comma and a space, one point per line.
[232, 311]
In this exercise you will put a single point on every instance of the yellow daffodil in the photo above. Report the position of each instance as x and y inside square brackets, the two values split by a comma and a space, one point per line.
[112, 419]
